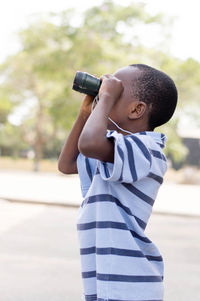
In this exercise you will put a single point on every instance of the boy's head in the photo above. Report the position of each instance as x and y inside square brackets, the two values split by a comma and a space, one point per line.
[150, 95]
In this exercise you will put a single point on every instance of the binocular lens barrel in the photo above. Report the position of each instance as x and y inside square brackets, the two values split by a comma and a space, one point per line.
[86, 83]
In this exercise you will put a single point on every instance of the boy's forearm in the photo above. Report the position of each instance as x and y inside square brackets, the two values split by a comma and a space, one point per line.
[68, 157]
[69, 153]
[93, 142]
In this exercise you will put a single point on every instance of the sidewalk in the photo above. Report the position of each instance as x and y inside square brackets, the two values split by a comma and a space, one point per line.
[61, 190]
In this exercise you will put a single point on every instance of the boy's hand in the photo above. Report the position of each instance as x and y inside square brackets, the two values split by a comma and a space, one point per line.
[111, 87]
[85, 109]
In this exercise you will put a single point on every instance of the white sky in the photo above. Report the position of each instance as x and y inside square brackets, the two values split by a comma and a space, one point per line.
[14, 15]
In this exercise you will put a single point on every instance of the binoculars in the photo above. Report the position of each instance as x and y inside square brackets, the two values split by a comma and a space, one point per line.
[86, 83]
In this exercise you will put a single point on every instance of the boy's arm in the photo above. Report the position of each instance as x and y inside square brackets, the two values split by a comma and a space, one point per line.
[93, 142]
[68, 156]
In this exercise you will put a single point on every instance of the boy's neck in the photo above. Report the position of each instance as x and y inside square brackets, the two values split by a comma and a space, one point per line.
[137, 128]
[133, 131]
[130, 127]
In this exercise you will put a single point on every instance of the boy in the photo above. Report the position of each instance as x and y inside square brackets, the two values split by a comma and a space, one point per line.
[120, 171]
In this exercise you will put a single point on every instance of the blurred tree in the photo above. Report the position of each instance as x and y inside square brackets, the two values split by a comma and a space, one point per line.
[52, 50]
[6, 105]
[11, 140]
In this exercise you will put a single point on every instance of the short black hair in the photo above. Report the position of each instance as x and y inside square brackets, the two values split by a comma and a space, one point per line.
[158, 91]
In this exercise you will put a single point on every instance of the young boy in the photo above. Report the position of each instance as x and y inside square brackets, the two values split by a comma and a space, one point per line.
[121, 171]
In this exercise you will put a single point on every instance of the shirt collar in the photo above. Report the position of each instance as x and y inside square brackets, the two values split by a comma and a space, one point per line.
[159, 138]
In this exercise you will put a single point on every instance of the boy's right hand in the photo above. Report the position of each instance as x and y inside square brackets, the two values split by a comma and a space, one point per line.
[111, 86]
[86, 106]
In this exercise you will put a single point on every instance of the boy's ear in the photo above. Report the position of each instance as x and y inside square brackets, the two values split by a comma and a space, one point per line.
[137, 109]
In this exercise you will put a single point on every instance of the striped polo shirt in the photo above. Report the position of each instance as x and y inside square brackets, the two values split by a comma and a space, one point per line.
[119, 262]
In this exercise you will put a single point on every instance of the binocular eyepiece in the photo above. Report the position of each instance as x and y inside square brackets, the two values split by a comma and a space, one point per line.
[86, 83]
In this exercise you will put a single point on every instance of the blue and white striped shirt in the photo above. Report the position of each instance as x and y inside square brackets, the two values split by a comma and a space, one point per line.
[119, 262]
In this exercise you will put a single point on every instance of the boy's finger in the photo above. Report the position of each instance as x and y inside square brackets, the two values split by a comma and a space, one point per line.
[105, 76]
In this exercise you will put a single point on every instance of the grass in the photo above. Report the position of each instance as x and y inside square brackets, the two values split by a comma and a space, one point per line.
[9, 163]
[186, 175]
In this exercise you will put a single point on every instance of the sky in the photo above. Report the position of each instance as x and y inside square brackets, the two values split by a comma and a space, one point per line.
[15, 15]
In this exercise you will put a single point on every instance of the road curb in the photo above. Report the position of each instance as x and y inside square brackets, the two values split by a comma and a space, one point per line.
[72, 205]
[32, 202]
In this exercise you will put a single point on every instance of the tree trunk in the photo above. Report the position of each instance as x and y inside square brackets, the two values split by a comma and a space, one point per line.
[39, 141]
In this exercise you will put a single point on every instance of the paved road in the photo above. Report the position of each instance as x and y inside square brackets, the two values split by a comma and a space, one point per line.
[39, 257]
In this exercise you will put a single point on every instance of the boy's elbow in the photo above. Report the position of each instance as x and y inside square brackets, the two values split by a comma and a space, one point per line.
[86, 146]
[82, 147]
[65, 169]
[96, 147]
[62, 169]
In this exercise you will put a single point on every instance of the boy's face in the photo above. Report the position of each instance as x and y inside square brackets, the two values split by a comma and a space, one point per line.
[120, 110]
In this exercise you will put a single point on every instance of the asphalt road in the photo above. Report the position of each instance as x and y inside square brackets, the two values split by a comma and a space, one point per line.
[39, 255]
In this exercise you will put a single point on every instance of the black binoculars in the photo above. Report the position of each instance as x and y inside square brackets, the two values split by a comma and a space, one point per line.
[86, 83]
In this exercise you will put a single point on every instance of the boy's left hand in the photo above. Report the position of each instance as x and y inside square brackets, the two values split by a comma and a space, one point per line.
[111, 87]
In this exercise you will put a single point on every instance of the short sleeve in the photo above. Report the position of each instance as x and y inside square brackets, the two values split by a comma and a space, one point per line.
[132, 160]
[86, 169]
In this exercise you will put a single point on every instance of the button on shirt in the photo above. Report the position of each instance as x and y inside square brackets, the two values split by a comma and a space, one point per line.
[119, 262]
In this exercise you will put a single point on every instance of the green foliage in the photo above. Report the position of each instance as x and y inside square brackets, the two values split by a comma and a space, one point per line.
[11, 140]
[5, 107]
[6, 104]
[175, 149]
